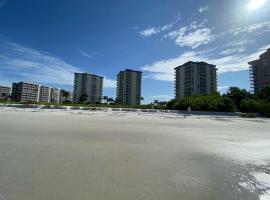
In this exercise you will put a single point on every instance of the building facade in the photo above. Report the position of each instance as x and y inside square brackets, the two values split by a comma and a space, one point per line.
[129, 87]
[54, 95]
[25, 92]
[87, 88]
[195, 78]
[5, 92]
[260, 72]
[44, 94]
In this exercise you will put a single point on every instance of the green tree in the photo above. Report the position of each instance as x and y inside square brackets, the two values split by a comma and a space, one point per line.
[237, 95]
[265, 93]
[83, 98]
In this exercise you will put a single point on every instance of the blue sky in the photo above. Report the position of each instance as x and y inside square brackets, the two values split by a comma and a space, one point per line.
[45, 42]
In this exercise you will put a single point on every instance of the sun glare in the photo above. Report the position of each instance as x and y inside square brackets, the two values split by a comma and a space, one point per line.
[255, 4]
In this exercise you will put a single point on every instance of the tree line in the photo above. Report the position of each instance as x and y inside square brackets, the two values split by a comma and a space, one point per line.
[235, 99]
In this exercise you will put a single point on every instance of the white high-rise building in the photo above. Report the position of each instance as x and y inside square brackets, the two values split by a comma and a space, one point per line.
[87, 88]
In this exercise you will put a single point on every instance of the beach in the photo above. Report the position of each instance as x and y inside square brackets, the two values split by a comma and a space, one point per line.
[113, 155]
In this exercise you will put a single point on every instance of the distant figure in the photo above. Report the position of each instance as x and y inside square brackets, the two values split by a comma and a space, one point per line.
[189, 111]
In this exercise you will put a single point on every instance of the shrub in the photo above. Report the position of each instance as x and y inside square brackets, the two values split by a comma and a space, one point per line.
[249, 106]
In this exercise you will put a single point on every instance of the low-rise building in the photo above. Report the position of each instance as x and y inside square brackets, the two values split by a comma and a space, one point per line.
[54, 95]
[25, 92]
[5, 92]
[44, 94]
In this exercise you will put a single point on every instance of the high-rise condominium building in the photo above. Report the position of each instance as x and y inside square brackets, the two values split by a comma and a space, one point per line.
[195, 78]
[25, 92]
[260, 72]
[5, 92]
[129, 87]
[87, 88]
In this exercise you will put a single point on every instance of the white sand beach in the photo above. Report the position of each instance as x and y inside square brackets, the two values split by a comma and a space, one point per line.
[56, 154]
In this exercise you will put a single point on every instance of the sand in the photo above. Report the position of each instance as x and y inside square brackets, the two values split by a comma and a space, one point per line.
[82, 155]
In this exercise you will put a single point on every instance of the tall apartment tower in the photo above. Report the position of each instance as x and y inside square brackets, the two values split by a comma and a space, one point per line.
[5, 92]
[195, 78]
[260, 72]
[129, 87]
[87, 88]
[25, 92]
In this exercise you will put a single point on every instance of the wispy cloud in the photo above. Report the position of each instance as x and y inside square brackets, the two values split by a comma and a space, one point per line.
[86, 54]
[19, 63]
[187, 36]
[203, 9]
[193, 35]
[3, 2]
[251, 28]
[163, 70]
[232, 51]
[155, 30]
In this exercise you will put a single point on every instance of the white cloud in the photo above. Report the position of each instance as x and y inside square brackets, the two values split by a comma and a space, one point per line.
[223, 88]
[194, 39]
[193, 35]
[203, 9]
[163, 70]
[149, 32]
[86, 54]
[232, 51]
[109, 83]
[35, 66]
[155, 30]
[258, 27]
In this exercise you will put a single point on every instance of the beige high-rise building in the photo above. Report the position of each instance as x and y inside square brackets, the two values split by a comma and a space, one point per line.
[260, 72]
[87, 88]
[195, 78]
[129, 87]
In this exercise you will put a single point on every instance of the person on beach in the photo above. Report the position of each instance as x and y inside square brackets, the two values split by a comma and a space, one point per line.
[189, 110]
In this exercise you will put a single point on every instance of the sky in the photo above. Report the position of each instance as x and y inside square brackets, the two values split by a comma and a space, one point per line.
[45, 42]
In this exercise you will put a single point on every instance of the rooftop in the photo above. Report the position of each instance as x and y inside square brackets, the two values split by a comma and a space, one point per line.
[192, 62]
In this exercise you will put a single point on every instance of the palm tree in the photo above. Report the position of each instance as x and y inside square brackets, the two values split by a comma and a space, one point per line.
[156, 102]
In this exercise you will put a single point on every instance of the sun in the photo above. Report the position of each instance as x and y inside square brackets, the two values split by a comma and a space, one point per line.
[255, 4]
